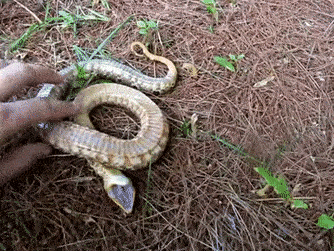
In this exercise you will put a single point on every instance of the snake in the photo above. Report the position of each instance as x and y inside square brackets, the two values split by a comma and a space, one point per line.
[106, 154]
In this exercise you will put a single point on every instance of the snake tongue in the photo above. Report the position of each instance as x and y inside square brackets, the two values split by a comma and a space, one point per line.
[123, 196]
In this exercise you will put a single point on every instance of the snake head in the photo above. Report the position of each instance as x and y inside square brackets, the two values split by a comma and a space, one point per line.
[121, 190]
[123, 196]
[117, 185]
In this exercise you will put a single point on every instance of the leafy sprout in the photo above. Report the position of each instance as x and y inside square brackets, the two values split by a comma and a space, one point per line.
[146, 26]
[230, 63]
[69, 19]
[325, 221]
[281, 188]
[211, 8]
[236, 58]
[186, 128]
[65, 19]
[278, 183]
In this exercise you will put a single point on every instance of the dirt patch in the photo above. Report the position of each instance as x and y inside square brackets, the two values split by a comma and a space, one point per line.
[200, 194]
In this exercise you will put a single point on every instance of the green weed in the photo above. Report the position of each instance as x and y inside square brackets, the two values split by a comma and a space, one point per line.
[65, 19]
[281, 188]
[145, 27]
[186, 128]
[279, 184]
[238, 149]
[20, 43]
[325, 221]
[80, 53]
[72, 20]
[211, 7]
[230, 64]
[189, 127]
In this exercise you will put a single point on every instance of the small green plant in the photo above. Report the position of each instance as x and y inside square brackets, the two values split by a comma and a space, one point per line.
[229, 64]
[71, 20]
[211, 7]
[2, 247]
[281, 188]
[186, 128]
[189, 127]
[279, 184]
[325, 221]
[146, 26]
[211, 29]
[65, 19]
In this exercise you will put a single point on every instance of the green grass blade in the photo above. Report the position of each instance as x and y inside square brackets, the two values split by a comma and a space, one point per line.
[67, 17]
[80, 53]
[20, 43]
[96, 16]
[225, 63]
[110, 37]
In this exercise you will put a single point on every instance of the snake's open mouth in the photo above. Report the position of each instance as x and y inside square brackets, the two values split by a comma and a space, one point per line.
[123, 196]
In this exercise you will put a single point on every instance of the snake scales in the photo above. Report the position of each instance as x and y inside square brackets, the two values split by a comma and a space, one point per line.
[106, 154]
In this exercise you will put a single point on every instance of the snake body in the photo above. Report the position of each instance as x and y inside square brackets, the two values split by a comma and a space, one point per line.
[107, 154]
[114, 70]
[81, 139]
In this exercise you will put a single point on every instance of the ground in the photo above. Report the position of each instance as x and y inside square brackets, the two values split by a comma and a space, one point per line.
[201, 194]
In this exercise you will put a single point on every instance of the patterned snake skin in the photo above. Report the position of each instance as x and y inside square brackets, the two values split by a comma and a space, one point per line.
[106, 153]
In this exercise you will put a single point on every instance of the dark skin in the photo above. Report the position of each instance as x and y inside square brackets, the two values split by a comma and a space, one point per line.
[22, 114]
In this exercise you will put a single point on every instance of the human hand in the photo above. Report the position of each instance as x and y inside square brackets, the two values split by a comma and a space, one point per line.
[21, 114]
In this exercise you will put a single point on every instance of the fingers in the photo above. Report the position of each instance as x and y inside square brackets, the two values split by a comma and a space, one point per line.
[44, 75]
[21, 114]
[18, 115]
[18, 75]
[21, 159]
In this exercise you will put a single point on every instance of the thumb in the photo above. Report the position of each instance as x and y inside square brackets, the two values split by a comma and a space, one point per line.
[19, 160]
[18, 75]
[21, 114]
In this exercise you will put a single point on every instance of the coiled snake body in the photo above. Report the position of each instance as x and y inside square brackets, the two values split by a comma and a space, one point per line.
[106, 154]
